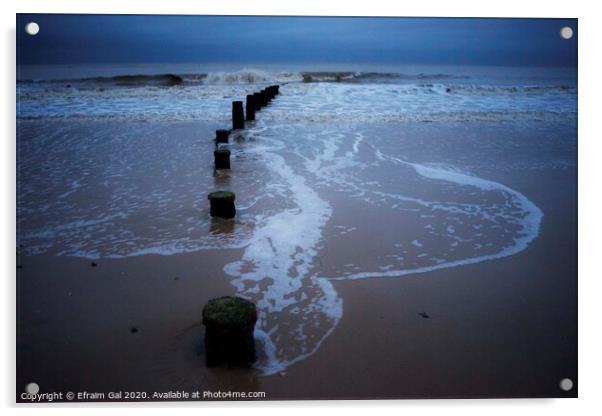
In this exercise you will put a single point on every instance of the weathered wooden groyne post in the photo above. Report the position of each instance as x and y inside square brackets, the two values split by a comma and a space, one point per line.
[221, 159]
[268, 95]
[222, 204]
[265, 98]
[229, 324]
[221, 136]
[257, 100]
[250, 108]
[238, 115]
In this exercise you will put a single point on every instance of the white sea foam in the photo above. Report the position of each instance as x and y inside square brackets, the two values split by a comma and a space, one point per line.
[274, 271]
[529, 221]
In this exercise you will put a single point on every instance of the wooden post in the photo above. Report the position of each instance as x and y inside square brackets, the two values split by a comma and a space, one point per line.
[238, 115]
[250, 110]
[222, 204]
[221, 136]
[229, 324]
[264, 97]
[221, 159]
[257, 100]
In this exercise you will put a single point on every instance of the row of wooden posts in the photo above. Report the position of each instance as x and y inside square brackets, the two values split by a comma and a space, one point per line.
[230, 320]
[222, 202]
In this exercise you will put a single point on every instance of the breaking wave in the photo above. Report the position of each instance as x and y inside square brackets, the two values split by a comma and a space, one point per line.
[244, 76]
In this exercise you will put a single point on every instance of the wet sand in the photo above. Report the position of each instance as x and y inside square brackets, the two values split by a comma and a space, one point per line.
[501, 328]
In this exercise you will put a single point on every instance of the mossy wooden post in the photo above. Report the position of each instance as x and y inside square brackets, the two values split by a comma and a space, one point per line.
[238, 115]
[222, 204]
[250, 109]
[221, 158]
[229, 324]
[221, 136]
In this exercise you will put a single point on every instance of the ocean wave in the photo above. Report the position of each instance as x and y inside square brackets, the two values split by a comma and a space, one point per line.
[245, 76]
[118, 80]
[208, 97]
[507, 89]
[407, 83]
[250, 76]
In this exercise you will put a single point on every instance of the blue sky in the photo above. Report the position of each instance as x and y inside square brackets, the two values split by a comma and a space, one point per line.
[72, 39]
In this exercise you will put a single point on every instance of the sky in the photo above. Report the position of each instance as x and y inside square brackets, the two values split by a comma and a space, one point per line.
[89, 39]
